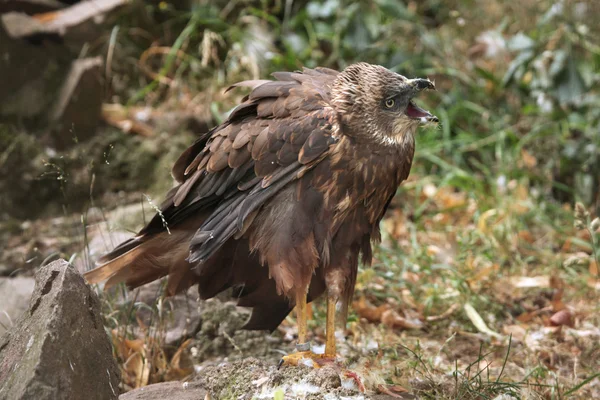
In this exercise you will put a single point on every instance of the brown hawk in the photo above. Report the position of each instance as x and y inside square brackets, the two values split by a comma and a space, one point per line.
[280, 200]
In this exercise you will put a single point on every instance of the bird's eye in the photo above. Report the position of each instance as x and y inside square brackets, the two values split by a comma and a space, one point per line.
[389, 103]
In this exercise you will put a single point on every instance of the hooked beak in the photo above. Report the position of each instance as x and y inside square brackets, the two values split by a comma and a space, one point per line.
[415, 112]
[421, 84]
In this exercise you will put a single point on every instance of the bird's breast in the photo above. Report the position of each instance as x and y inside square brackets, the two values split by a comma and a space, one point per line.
[363, 182]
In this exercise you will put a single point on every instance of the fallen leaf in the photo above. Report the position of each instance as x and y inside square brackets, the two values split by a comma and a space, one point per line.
[476, 319]
[526, 236]
[368, 311]
[528, 159]
[485, 222]
[530, 281]
[445, 314]
[181, 365]
[593, 268]
[447, 198]
[527, 316]
[260, 381]
[394, 320]
[579, 242]
[392, 390]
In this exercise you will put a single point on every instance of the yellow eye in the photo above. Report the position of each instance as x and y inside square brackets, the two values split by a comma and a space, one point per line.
[389, 103]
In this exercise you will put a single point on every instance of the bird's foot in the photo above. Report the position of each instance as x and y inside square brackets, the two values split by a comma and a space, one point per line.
[307, 358]
[303, 356]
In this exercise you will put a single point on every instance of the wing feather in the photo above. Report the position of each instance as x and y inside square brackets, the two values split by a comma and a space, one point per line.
[279, 131]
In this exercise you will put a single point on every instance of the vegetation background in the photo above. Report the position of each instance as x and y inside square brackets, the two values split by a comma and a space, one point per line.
[487, 280]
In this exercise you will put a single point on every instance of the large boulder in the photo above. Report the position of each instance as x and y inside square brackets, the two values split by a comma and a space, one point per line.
[58, 349]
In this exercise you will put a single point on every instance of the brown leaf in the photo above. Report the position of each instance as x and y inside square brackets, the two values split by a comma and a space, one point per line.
[394, 320]
[447, 198]
[181, 365]
[136, 345]
[527, 316]
[582, 244]
[368, 311]
[392, 390]
[445, 314]
[593, 268]
[528, 159]
[526, 236]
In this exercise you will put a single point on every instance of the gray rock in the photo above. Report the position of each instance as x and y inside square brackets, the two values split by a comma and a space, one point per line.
[167, 390]
[58, 349]
[15, 294]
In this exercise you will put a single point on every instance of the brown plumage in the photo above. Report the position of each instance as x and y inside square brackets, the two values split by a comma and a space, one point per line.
[285, 196]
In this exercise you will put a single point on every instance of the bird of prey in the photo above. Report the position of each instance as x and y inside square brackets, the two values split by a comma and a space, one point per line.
[281, 200]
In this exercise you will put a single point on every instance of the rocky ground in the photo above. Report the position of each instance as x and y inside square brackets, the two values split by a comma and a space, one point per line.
[56, 347]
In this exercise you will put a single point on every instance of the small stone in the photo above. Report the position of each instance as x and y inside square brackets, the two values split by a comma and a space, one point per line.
[562, 317]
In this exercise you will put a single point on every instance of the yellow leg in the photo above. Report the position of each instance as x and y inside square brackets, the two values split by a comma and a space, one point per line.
[303, 353]
[330, 326]
[301, 315]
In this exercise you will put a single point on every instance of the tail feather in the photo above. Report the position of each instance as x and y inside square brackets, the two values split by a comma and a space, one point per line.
[121, 249]
[111, 267]
[143, 260]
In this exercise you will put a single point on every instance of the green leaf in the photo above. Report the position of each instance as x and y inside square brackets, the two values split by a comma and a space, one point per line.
[570, 89]
[395, 9]
[520, 42]
[519, 61]
[316, 9]
[558, 63]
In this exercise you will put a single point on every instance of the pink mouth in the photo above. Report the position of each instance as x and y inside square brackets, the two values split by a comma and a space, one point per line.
[415, 112]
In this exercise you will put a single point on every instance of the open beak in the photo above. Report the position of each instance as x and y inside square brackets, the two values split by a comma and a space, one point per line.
[415, 112]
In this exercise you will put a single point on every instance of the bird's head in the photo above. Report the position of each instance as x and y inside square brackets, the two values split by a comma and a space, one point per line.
[376, 104]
